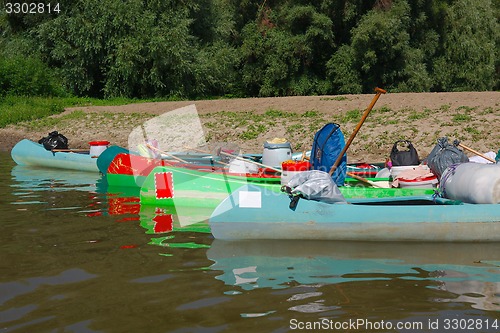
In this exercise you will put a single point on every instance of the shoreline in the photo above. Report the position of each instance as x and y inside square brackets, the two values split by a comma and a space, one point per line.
[471, 117]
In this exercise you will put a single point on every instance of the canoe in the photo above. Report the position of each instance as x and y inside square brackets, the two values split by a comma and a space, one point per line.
[107, 156]
[254, 212]
[131, 170]
[125, 169]
[27, 152]
[198, 187]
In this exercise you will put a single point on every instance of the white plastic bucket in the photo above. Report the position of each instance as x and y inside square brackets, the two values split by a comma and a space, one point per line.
[430, 182]
[97, 147]
[472, 183]
[275, 153]
[395, 171]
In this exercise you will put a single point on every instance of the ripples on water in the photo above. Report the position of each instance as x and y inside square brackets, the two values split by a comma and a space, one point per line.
[76, 257]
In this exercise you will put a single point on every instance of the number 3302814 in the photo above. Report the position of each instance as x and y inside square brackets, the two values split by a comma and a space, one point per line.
[31, 8]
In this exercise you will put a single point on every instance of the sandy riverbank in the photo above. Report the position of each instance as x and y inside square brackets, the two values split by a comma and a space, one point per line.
[471, 117]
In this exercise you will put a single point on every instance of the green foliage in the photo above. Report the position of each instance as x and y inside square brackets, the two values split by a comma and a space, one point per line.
[470, 48]
[282, 54]
[352, 116]
[380, 54]
[206, 48]
[17, 109]
[27, 77]
[461, 117]
[342, 71]
[143, 49]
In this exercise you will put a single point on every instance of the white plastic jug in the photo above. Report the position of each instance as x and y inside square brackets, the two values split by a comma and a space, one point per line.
[276, 153]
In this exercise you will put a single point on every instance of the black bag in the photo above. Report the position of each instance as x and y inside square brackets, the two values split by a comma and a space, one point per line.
[54, 141]
[404, 157]
[443, 155]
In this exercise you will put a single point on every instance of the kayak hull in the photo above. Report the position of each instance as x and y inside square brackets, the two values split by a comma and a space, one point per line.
[253, 212]
[29, 153]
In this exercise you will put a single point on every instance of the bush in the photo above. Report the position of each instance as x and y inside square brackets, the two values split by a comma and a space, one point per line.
[27, 77]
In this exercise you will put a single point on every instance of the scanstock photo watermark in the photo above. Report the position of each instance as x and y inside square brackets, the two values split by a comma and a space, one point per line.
[435, 324]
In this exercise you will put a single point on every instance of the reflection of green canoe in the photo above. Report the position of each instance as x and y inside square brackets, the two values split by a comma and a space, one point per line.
[169, 185]
[166, 219]
[253, 212]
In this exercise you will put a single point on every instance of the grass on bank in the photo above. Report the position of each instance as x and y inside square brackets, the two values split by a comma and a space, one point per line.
[16, 109]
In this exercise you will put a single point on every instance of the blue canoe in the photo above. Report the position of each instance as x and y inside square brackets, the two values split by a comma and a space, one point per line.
[27, 152]
[253, 212]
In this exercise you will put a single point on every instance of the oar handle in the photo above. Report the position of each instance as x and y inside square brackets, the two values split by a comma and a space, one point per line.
[379, 91]
[477, 153]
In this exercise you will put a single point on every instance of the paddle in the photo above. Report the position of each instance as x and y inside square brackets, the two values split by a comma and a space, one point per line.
[69, 150]
[457, 143]
[379, 92]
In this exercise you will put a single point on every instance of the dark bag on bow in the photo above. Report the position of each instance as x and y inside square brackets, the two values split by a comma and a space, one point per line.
[443, 155]
[404, 157]
[54, 141]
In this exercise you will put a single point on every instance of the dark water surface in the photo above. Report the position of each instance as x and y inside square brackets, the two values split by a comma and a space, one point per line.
[76, 258]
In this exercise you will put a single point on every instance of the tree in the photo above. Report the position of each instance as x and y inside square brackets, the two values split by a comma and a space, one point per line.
[284, 51]
[469, 48]
[380, 54]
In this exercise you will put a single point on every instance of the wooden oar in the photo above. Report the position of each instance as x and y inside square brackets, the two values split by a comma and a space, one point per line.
[474, 151]
[303, 156]
[356, 130]
[69, 150]
[364, 180]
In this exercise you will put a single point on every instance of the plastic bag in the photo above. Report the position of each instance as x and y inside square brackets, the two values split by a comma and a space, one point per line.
[443, 155]
[54, 141]
[404, 157]
[316, 185]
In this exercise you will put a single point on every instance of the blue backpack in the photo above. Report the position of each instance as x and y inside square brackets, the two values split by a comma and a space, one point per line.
[327, 145]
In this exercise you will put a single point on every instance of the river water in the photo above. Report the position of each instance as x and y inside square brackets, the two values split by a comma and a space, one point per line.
[77, 258]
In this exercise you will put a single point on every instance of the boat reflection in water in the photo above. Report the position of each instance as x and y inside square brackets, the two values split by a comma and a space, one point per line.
[465, 272]
[50, 187]
[157, 220]
[35, 179]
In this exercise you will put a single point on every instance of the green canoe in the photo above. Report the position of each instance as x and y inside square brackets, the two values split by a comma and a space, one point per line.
[180, 186]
